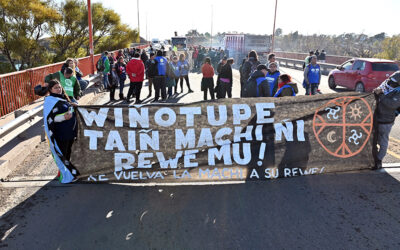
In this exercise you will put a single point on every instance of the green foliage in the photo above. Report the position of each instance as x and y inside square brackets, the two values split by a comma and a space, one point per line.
[278, 32]
[120, 37]
[22, 24]
[5, 67]
[70, 33]
[390, 48]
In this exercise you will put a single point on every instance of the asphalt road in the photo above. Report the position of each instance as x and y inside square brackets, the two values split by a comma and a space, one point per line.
[357, 210]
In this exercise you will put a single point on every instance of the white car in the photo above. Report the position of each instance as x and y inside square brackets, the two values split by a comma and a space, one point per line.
[155, 42]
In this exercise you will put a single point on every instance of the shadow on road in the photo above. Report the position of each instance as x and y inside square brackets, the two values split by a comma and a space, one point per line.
[341, 211]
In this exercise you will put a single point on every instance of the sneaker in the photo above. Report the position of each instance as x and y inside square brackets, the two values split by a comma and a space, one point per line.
[190, 91]
[138, 102]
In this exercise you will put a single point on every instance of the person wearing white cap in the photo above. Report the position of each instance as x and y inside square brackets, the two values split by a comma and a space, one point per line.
[388, 108]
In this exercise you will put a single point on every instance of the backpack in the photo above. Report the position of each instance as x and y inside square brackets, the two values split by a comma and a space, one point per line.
[100, 65]
[250, 88]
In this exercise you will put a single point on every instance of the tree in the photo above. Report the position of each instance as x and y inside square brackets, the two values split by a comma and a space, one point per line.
[193, 32]
[390, 48]
[121, 37]
[278, 32]
[22, 24]
[70, 33]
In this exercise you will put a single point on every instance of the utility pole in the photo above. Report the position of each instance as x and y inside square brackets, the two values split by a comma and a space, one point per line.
[212, 19]
[147, 37]
[91, 51]
[273, 32]
[138, 23]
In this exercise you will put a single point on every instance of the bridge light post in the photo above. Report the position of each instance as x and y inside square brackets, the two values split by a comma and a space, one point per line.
[91, 51]
[138, 22]
[273, 32]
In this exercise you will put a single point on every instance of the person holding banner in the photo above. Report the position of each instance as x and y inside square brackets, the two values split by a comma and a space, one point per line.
[61, 129]
[388, 108]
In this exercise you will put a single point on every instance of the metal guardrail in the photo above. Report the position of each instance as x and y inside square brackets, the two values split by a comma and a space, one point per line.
[16, 88]
[298, 64]
[23, 122]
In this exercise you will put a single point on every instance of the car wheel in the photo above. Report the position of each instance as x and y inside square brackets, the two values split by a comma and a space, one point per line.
[360, 87]
[331, 83]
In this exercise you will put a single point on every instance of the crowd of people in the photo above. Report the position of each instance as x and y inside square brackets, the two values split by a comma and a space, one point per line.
[165, 74]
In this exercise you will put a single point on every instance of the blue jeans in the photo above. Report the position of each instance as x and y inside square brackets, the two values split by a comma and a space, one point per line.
[105, 80]
[383, 139]
[83, 84]
[121, 85]
[311, 88]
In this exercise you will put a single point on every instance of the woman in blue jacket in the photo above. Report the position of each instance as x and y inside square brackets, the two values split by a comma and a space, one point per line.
[61, 129]
[183, 65]
[272, 77]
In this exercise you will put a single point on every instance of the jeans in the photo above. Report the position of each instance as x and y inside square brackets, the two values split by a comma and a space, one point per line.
[121, 85]
[83, 84]
[311, 88]
[383, 139]
[105, 80]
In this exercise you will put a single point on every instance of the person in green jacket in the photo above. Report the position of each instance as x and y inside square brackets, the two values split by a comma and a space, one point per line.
[106, 70]
[68, 82]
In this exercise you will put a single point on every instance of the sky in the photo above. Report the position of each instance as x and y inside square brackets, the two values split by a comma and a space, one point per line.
[250, 16]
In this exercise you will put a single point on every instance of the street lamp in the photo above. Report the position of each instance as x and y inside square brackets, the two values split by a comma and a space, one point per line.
[273, 31]
[138, 23]
[91, 52]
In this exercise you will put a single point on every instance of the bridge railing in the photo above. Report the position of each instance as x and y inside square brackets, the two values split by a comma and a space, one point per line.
[331, 59]
[16, 88]
[298, 64]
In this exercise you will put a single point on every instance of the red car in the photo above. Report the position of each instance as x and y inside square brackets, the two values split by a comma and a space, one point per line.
[361, 74]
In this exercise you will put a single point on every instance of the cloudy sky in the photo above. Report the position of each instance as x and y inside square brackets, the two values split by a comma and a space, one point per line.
[252, 16]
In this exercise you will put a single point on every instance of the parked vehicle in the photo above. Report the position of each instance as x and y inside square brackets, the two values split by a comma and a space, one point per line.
[155, 42]
[179, 42]
[361, 74]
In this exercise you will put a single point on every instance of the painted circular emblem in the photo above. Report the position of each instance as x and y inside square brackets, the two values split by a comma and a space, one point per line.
[343, 126]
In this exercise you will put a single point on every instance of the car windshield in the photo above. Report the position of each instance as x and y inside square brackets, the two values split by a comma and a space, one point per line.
[385, 67]
[348, 65]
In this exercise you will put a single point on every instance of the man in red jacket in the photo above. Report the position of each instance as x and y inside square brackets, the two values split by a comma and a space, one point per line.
[135, 71]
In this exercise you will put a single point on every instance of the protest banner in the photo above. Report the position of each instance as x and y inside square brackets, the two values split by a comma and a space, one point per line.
[226, 139]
